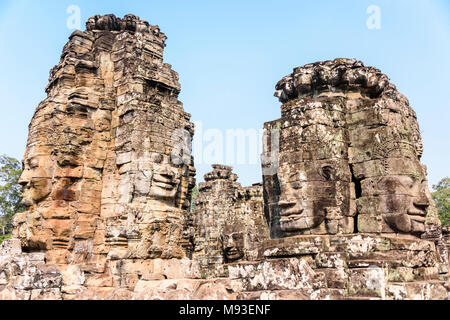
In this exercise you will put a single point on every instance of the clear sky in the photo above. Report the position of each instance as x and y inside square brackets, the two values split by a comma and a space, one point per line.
[230, 54]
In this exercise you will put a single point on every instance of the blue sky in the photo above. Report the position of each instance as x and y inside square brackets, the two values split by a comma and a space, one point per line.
[230, 54]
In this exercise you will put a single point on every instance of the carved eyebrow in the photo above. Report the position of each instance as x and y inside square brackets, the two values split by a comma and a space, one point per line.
[408, 180]
[403, 179]
[294, 176]
[416, 177]
[33, 162]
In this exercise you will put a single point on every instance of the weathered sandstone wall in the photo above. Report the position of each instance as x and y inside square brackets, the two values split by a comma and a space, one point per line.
[108, 176]
[106, 185]
[229, 223]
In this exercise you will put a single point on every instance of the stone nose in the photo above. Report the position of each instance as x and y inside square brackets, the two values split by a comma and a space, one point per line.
[230, 243]
[24, 179]
[421, 202]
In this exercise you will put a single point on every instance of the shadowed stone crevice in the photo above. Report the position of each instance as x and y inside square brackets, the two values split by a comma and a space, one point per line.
[358, 193]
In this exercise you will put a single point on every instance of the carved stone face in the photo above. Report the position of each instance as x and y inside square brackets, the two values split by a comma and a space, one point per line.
[297, 213]
[232, 246]
[310, 177]
[36, 179]
[129, 22]
[404, 200]
[90, 24]
[107, 22]
[284, 89]
[165, 181]
[158, 179]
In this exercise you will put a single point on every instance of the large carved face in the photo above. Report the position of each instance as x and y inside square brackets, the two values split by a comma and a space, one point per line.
[345, 113]
[157, 178]
[165, 179]
[36, 178]
[297, 211]
[232, 245]
[404, 200]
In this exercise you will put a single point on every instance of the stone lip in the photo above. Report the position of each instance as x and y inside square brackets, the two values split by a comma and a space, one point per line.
[338, 75]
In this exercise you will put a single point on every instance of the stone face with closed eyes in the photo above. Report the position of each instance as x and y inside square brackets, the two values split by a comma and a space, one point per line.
[346, 137]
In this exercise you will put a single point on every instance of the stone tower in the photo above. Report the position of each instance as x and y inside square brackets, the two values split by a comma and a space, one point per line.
[108, 172]
[108, 175]
[345, 193]
[228, 222]
[349, 155]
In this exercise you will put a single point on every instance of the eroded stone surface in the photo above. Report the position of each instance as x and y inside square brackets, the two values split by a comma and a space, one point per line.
[352, 266]
[341, 168]
[349, 155]
[229, 223]
[108, 177]
[105, 180]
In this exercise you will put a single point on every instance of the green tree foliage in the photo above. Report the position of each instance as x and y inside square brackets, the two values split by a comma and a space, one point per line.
[10, 171]
[193, 197]
[441, 196]
[5, 237]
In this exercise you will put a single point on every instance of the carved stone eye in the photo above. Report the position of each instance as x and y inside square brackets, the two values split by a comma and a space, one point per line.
[295, 185]
[327, 172]
[33, 163]
[411, 182]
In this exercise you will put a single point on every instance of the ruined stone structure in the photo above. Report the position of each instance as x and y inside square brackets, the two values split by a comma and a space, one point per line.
[105, 181]
[108, 177]
[349, 155]
[348, 178]
[229, 224]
